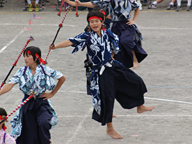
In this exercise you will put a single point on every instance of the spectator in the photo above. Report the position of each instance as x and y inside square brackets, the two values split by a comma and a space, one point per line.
[153, 5]
[30, 6]
[179, 5]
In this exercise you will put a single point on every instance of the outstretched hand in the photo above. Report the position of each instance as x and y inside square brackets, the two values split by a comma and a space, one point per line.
[52, 47]
[46, 96]
[130, 22]
[77, 2]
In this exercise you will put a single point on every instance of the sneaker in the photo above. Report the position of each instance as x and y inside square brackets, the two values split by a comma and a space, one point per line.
[152, 6]
[36, 7]
[188, 8]
[170, 7]
[30, 8]
[178, 8]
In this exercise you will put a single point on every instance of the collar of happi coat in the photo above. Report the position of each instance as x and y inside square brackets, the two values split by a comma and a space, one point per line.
[38, 72]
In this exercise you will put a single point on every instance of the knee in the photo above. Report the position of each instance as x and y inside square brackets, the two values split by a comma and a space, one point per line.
[126, 42]
[44, 124]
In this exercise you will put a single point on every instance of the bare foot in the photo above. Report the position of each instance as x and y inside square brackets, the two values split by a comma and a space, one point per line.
[142, 108]
[135, 64]
[114, 116]
[113, 134]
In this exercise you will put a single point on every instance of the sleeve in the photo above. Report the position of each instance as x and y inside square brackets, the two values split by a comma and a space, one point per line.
[114, 39]
[134, 5]
[99, 3]
[16, 77]
[52, 73]
[79, 41]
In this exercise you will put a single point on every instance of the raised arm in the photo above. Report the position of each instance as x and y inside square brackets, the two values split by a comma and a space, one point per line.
[85, 4]
[77, 2]
[6, 88]
[71, 3]
[63, 44]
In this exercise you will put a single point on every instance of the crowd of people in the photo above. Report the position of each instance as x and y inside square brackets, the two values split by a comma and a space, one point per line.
[36, 5]
[2, 2]
[171, 5]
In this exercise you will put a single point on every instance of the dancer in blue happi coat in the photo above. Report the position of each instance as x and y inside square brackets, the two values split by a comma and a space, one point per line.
[110, 80]
[35, 118]
[131, 51]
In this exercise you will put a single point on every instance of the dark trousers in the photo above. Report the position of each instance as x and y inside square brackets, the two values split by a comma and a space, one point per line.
[35, 122]
[122, 84]
[127, 43]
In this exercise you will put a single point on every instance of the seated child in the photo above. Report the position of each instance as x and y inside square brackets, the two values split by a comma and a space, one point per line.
[30, 7]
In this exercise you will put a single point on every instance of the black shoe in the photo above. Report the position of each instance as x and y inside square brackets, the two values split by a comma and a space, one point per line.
[178, 8]
[188, 8]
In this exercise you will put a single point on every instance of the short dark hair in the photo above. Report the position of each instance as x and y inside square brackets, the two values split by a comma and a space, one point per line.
[97, 8]
[33, 50]
[3, 112]
[95, 12]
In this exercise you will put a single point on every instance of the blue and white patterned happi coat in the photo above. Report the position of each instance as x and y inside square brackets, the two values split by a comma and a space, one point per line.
[119, 9]
[99, 51]
[39, 84]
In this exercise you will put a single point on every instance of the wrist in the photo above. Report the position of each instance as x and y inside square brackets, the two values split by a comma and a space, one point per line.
[52, 93]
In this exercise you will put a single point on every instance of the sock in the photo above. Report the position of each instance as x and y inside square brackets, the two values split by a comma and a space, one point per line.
[37, 2]
[178, 2]
[29, 2]
[189, 3]
[154, 3]
[171, 3]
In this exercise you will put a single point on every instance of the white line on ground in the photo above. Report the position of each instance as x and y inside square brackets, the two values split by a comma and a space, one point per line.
[153, 28]
[159, 99]
[139, 115]
[168, 100]
[165, 28]
[80, 125]
[20, 24]
[12, 41]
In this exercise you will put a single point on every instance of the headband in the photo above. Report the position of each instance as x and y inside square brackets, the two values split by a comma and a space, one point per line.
[95, 17]
[37, 56]
[102, 11]
[2, 118]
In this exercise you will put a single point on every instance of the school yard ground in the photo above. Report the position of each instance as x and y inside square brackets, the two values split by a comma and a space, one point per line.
[167, 73]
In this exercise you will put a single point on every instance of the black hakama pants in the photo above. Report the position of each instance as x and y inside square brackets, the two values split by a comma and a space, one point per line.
[128, 42]
[120, 83]
[36, 116]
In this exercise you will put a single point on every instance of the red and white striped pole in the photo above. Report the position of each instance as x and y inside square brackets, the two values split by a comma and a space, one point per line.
[30, 39]
[60, 26]
[17, 108]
